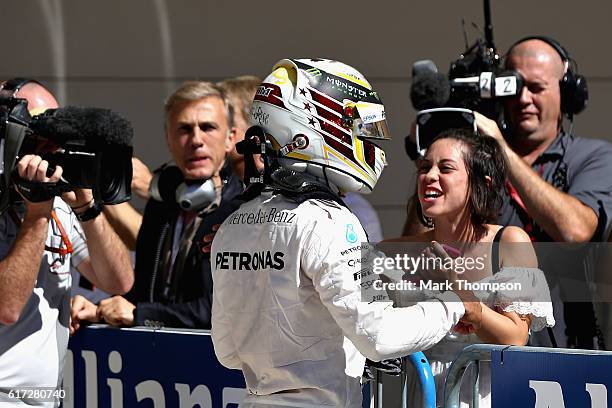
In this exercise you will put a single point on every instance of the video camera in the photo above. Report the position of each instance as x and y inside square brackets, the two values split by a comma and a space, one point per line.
[475, 80]
[92, 145]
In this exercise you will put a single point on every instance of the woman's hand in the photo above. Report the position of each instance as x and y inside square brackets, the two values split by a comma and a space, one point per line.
[436, 255]
[464, 328]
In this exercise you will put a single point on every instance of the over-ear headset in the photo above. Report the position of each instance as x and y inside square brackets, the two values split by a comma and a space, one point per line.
[573, 86]
[169, 186]
[15, 84]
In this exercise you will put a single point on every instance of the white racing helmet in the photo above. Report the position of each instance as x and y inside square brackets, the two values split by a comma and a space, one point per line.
[321, 115]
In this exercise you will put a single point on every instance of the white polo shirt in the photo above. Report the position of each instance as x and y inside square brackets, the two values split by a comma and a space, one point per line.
[33, 350]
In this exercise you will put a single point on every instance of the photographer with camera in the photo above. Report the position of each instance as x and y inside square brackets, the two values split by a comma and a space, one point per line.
[173, 286]
[558, 186]
[41, 239]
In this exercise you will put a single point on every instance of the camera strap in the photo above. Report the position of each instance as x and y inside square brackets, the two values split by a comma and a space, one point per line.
[37, 192]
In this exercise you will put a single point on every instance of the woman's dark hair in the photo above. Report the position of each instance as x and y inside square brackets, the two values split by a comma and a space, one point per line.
[483, 157]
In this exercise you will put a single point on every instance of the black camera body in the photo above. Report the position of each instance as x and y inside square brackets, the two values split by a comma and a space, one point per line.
[92, 145]
[477, 80]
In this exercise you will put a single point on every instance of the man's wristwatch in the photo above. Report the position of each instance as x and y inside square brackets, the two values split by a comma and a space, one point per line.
[90, 213]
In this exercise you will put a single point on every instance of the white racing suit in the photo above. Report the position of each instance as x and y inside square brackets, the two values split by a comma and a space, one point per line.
[287, 307]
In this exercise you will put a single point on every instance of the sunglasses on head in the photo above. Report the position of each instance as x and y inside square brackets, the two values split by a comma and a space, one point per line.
[431, 122]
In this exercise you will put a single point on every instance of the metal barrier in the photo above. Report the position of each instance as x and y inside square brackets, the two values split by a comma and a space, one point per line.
[452, 384]
[104, 368]
[425, 380]
[535, 376]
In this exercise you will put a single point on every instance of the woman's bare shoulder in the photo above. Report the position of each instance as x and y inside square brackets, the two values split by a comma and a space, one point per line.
[515, 234]
[517, 249]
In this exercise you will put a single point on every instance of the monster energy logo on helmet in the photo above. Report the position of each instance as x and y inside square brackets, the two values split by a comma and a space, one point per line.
[335, 86]
[313, 72]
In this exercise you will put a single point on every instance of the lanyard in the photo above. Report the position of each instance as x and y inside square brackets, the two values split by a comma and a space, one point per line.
[66, 245]
[514, 195]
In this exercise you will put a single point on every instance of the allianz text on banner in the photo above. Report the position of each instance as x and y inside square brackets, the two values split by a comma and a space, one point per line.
[114, 368]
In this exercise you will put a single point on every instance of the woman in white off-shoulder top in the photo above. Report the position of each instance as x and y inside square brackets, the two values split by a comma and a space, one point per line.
[460, 183]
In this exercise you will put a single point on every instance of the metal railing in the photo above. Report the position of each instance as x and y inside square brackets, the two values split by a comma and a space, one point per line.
[425, 380]
[471, 354]
[476, 353]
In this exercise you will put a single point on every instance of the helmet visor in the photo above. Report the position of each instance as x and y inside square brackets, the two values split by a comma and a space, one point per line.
[369, 121]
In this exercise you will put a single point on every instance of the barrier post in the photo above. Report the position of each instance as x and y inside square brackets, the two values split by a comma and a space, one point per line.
[569, 374]
[425, 380]
[470, 354]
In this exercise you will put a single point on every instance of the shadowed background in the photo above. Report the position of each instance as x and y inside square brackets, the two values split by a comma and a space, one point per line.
[129, 55]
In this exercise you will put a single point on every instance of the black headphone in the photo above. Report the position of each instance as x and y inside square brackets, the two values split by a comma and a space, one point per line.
[168, 185]
[15, 84]
[573, 86]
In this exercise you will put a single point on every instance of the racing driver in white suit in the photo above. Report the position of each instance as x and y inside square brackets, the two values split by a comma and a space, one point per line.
[288, 265]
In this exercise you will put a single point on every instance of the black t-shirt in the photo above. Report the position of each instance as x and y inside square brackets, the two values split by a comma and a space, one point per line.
[188, 299]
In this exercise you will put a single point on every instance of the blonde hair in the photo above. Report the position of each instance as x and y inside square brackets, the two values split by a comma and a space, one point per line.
[195, 90]
[240, 91]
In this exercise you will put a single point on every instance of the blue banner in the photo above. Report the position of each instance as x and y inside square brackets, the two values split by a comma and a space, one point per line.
[141, 367]
[563, 378]
[114, 368]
